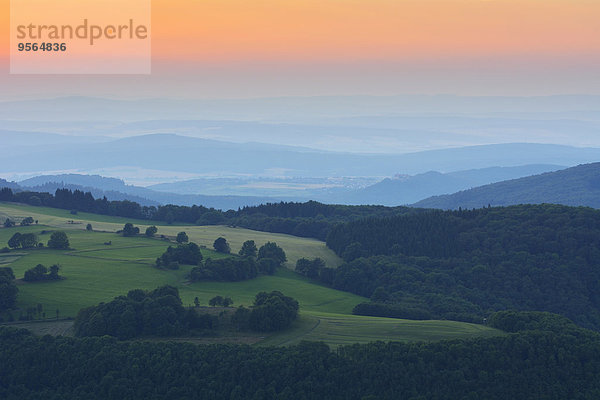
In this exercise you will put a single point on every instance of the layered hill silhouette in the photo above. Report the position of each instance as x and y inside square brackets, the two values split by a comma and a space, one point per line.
[116, 189]
[402, 190]
[170, 152]
[575, 186]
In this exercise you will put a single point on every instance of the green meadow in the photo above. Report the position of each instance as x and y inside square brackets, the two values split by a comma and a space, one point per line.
[95, 272]
[343, 329]
[294, 247]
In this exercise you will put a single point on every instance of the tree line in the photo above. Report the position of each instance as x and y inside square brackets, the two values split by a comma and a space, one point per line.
[8, 289]
[540, 363]
[247, 265]
[160, 312]
[309, 219]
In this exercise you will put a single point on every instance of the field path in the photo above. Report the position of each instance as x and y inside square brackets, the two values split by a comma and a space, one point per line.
[78, 253]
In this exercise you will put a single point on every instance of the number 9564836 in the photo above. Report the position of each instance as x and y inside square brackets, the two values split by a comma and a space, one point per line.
[45, 46]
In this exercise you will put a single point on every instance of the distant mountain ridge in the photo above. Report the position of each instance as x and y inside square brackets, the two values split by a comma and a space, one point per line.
[575, 186]
[407, 190]
[170, 152]
[401, 190]
[116, 189]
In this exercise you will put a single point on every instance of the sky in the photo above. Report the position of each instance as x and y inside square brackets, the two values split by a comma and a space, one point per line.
[261, 48]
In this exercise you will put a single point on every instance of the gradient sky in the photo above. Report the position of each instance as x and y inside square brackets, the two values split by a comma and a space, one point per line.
[241, 48]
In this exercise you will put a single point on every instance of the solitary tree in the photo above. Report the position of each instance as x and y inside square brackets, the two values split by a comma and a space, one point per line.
[88, 227]
[8, 223]
[58, 240]
[248, 249]
[182, 237]
[221, 246]
[271, 250]
[151, 231]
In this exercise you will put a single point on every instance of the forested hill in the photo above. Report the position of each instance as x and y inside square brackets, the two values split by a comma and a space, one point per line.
[309, 219]
[576, 186]
[536, 229]
[465, 264]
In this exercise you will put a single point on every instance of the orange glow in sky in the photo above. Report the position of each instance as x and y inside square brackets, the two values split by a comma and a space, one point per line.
[230, 33]
[217, 30]
[214, 30]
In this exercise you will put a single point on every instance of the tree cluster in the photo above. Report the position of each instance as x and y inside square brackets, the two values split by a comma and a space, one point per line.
[130, 230]
[270, 312]
[23, 240]
[188, 254]
[310, 268]
[519, 321]
[40, 273]
[141, 313]
[27, 221]
[232, 269]
[220, 301]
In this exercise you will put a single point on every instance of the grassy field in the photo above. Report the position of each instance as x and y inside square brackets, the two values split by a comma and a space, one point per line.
[340, 329]
[96, 272]
[294, 247]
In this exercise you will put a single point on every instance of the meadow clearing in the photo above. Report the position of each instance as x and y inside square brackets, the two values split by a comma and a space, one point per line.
[96, 272]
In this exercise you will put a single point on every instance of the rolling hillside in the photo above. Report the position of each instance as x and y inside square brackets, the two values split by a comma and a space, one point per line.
[96, 272]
